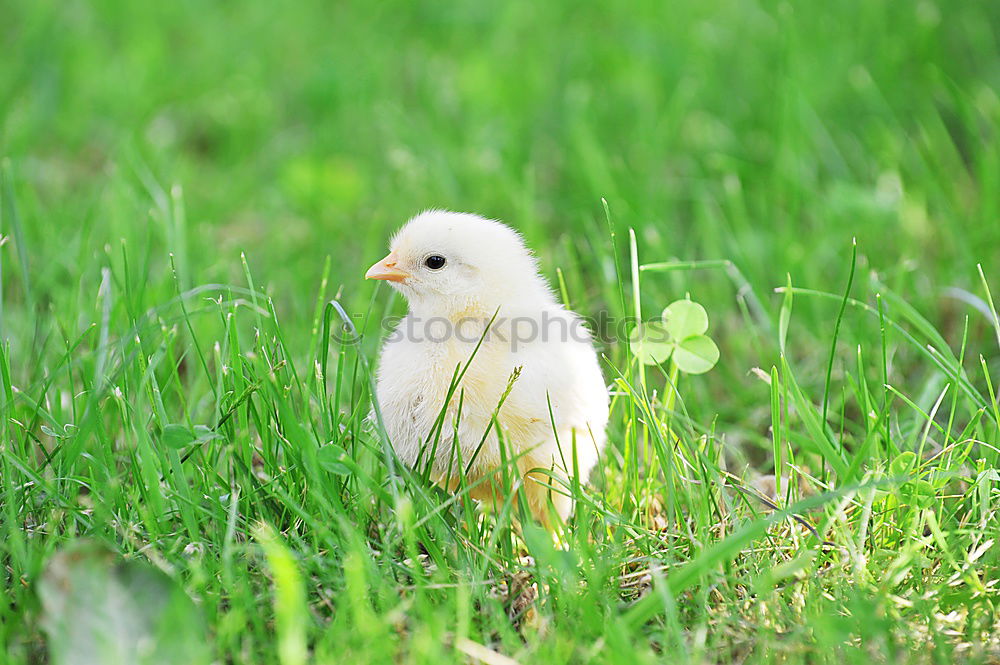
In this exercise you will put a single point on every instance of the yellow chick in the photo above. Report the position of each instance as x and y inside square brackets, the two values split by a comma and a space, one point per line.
[458, 272]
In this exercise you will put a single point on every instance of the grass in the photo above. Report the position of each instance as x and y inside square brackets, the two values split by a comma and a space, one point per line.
[187, 186]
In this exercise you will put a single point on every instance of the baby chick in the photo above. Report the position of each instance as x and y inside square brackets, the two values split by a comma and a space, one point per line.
[458, 272]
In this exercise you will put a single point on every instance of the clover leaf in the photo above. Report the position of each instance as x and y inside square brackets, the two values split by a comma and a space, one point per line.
[177, 436]
[696, 355]
[684, 319]
[652, 344]
[679, 337]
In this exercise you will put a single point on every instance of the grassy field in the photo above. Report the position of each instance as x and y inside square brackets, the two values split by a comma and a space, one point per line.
[186, 186]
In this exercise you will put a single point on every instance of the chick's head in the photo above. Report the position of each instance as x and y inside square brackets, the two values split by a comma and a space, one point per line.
[446, 263]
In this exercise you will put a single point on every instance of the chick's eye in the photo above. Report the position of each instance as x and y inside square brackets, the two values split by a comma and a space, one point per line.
[434, 262]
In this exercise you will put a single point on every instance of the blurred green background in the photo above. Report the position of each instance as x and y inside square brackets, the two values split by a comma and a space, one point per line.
[744, 130]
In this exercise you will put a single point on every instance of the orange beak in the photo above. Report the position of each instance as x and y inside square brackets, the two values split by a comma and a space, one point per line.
[386, 269]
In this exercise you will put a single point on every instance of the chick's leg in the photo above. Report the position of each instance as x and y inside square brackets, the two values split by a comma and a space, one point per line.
[547, 473]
